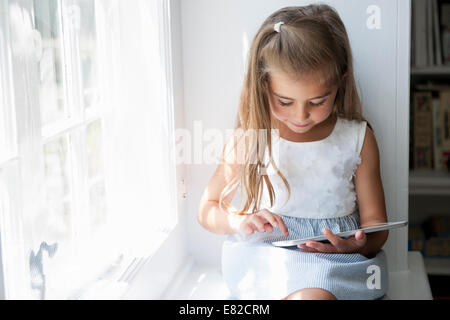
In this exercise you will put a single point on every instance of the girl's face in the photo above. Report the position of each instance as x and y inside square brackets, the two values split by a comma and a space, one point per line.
[299, 104]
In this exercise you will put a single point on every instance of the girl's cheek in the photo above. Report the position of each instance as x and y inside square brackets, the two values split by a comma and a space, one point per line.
[322, 112]
[328, 111]
[279, 113]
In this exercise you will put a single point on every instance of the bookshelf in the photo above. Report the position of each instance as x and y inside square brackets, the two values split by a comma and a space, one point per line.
[430, 71]
[431, 182]
[429, 189]
[437, 266]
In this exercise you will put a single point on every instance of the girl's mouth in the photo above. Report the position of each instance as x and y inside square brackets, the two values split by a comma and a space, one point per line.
[300, 126]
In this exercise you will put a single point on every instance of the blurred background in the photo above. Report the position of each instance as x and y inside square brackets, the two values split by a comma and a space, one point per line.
[429, 180]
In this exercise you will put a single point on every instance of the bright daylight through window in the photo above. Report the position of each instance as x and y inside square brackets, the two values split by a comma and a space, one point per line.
[87, 170]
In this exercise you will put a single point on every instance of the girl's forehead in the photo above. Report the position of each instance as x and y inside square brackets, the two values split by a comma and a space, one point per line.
[287, 84]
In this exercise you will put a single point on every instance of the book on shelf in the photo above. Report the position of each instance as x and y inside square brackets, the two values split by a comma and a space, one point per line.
[436, 226]
[445, 127]
[431, 237]
[429, 30]
[430, 138]
[446, 45]
[437, 32]
[430, 33]
[416, 239]
[436, 247]
[438, 160]
[422, 136]
[445, 29]
[437, 234]
[420, 33]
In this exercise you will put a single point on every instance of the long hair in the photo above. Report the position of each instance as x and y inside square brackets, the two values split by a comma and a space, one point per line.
[312, 43]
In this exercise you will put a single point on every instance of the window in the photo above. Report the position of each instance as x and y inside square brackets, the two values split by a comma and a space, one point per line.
[93, 108]
[7, 112]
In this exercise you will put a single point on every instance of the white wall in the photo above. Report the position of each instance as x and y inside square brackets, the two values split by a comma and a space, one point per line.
[215, 37]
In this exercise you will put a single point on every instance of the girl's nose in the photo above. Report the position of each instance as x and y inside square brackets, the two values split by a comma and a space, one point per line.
[302, 114]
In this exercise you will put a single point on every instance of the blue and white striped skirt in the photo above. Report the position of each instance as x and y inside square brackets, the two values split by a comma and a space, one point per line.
[255, 269]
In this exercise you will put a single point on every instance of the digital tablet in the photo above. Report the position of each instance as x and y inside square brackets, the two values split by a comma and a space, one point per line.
[346, 234]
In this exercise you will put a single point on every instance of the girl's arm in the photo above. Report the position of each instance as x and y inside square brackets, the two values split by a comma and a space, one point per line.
[220, 221]
[370, 194]
[372, 208]
[210, 216]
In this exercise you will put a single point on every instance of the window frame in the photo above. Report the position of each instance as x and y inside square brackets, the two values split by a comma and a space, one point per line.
[173, 254]
[7, 112]
[33, 141]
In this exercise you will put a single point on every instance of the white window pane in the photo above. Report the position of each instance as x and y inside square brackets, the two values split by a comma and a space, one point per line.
[97, 208]
[88, 52]
[15, 240]
[51, 87]
[75, 252]
[58, 192]
[3, 144]
[56, 255]
[8, 147]
[97, 205]
[94, 149]
[4, 212]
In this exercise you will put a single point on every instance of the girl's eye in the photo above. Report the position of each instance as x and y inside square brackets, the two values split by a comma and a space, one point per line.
[284, 104]
[318, 104]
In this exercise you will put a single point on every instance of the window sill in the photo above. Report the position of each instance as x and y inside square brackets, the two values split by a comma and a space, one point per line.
[198, 282]
[115, 281]
[156, 273]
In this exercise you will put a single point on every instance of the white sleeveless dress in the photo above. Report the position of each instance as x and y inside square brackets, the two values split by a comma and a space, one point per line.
[320, 176]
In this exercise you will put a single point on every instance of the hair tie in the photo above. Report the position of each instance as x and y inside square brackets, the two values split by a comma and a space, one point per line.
[277, 26]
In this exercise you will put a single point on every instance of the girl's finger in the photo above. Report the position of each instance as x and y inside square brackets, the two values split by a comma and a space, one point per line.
[360, 239]
[306, 248]
[360, 236]
[270, 217]
[259, 223]
[281, 224]
[321, 247]
[247, 229]
[335, 240]
[275, 220]
[268, 227]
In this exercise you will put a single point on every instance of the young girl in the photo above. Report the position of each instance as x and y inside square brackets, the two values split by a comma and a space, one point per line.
[319, 172]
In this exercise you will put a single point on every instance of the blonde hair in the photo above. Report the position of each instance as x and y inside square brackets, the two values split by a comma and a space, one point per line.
[312, 43]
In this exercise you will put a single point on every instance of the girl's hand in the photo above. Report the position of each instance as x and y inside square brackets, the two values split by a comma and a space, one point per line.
[261, 221]
[354, 244]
